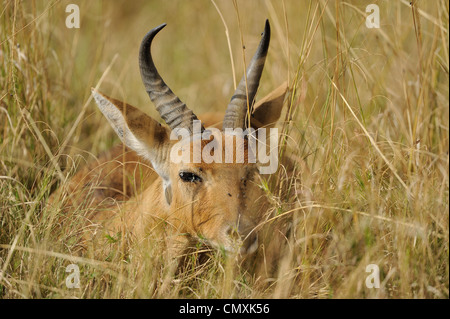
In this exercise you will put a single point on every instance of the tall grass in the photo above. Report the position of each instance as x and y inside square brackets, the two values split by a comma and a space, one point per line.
[366, 128]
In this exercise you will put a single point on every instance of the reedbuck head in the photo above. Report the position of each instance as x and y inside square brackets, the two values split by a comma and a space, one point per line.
[219, 202]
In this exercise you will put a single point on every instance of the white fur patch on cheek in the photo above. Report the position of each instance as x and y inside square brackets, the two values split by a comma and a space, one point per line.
[167, 192]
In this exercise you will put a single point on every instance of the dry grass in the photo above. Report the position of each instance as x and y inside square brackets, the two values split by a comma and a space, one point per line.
[367, 125]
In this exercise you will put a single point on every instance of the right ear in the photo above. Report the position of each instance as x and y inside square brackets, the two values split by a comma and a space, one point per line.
[267, 111]
[140, 132]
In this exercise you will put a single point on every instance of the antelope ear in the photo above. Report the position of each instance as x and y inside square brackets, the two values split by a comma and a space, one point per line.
[267, 111]
[138, 131]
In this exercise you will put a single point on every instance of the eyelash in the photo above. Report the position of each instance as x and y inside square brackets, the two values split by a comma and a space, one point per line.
[190, 177]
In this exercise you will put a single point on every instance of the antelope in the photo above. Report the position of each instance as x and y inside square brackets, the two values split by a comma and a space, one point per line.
[217, 203]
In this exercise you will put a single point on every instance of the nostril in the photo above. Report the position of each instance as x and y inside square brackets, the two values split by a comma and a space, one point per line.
[233, 233]
[248, 244]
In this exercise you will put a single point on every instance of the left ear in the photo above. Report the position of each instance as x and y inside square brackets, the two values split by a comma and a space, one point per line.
[139, 132]
[267, 111]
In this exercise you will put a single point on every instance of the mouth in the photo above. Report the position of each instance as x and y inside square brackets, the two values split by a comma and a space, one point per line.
[236, 246]
[251, 247]
[232, 242]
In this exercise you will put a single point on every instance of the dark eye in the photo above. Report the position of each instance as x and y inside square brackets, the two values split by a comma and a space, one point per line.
[190, 177]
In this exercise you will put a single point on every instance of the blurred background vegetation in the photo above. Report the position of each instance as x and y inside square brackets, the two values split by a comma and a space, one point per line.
[366, 126]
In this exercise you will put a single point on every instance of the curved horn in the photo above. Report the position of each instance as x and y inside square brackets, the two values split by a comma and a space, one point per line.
[237, 108]
[174, 112]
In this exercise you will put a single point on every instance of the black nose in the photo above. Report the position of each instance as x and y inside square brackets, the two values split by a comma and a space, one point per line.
[249, 240]
[233, 233]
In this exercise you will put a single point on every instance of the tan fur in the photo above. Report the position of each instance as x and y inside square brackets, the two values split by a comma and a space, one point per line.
[126, 195]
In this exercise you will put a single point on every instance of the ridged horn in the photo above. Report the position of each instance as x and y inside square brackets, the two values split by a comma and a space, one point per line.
[237, 108]
[174, 112]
